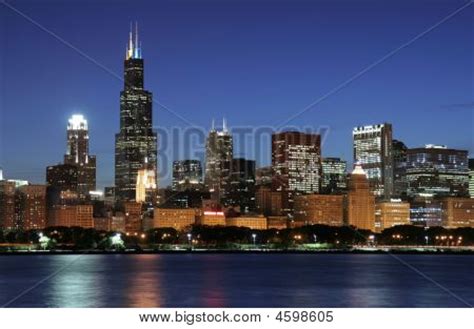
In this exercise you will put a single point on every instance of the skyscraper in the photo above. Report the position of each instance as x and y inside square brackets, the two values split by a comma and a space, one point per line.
[77, 154]
[136, 143]
[334, 176]
[240, 185]
[296, 163]
[399, 152]
[219, 154]
[360, 201]
[187, 175]
[373, 150]
[438, 171]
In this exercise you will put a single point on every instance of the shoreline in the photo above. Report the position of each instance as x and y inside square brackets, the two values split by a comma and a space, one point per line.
[375, 251]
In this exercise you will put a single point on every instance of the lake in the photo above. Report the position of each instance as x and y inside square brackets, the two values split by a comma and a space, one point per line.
[237, 280]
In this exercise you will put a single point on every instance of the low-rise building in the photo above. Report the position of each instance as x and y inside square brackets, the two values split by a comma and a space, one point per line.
[391, 213]
[252, 222]
[277, 222]
[71, 215]
[133, 217]
[177, 218]
[457, 212]
[322, 209]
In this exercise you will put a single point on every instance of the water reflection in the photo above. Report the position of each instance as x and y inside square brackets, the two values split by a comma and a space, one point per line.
[144, 287]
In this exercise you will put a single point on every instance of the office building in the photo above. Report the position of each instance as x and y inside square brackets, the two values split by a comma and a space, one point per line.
[373, 150]
[240, 185]
[437, 170]
[391, 213]
[399, 152]
[360, 205]
[426, 211]
[31, 207]
[268, 202]
[263, 176]
[322, 209]
[457, 212]
[133, 216]
[296, 165]
[334, 176]
[471, 178]
[252, 222]
[78, 154]
[187, 175]
[71, 215]
[8, 218]
[219, 154]
[179, 219]
[146, 188]
[136, 142]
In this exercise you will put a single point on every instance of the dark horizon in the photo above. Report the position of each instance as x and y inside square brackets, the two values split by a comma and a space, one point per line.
[254, 63]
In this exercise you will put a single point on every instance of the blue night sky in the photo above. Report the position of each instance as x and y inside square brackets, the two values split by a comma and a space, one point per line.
[256, 63]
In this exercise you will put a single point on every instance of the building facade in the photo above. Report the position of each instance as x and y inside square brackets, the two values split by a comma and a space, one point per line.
[71, 215]
[78, 154]
[322, 209]
[457, 212]
[471, 178]
[219, 154]
[373, 150]
[399, 151]
[136, 142]
[240, 185]
[360, 205]
[179, 219]
[251, 222]
[334, 176]
[31, 207]
[187, 175]
[296, 165]
[8, 218]
[391, 213]
[438, 171]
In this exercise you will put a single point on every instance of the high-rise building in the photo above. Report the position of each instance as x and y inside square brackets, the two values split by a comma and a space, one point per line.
[136, 143]
[296, 164]
[263, 176]
[240, 185]
[8, 219]
[471, 178]
[78, 154]
[360, 201]
[31, 206]
[399, 153]
[62, 181]
[334, 176]
[146, 187]
[438, 171]
[219, 154]
[373, 150]
[187, 175]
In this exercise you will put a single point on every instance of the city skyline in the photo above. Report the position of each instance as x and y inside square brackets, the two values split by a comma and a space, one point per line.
[103, 124]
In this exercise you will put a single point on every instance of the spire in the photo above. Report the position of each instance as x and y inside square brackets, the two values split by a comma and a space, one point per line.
[136, 55]
[213, 127]
[133, 47]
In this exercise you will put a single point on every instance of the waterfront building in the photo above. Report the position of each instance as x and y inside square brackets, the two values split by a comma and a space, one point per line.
[240, 185]
[391, 213]
[360, 201]
[177, 218]
[8, 218]
[296, 165]
[373, 150]
[219, 154]
[471, 178]
[334, 176]
[277, 222]
[253, 222]
[31, 207]
[133, 216]
[426, 211]
[136, 142]
[322, 209]
[71, 215]
[438, 171]
[457, 212]
[187, 176]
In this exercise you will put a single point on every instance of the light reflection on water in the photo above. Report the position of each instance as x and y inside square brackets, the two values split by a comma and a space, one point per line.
[235, 280]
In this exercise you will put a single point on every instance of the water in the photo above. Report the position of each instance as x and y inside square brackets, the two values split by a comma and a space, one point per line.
[236, 280]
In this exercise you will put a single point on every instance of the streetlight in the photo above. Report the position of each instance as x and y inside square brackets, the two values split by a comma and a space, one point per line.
[315, 238]
[426, 239]
[189, 237]
[254, 237]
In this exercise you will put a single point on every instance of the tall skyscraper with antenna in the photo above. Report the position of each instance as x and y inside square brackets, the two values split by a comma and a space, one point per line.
[136, 143]
[219, 154]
